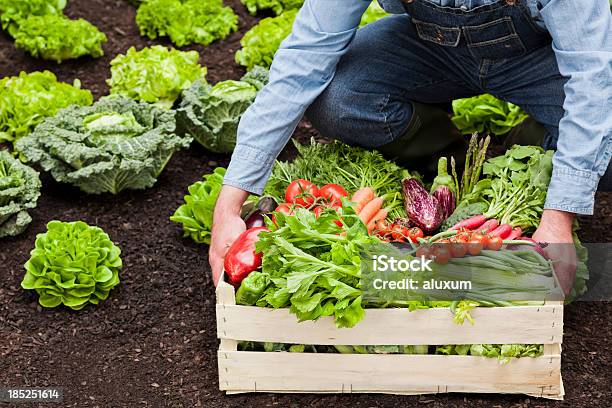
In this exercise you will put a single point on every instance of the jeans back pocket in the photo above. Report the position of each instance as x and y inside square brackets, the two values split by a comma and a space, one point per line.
[446, 36]
[494, 40]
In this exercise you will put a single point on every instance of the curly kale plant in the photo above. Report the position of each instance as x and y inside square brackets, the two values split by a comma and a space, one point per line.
[58, 38]
[486, 114]
[277, 6]
[28, 99]
[13, 12]
[114, 145]
[19, 192]
[155, 74]
[196, 214]
[261, 42]
[186, 21]
[210, 114]
[72, 264]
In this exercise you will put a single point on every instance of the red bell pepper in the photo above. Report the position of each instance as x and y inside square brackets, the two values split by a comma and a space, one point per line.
[241, 258]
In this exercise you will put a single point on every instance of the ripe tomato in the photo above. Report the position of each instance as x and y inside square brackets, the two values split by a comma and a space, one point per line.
[301, 192]
[474, 247]
[332, 193]
[282, 208]
[442, 255]
[415, 233]
[285, 209]
[424, 251]
[399, 232]
[318, 210]
[482, 238]
[495, 243]
[458, 249]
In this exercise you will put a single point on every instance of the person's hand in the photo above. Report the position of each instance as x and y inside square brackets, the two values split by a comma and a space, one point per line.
[556, 229]
[227, 226]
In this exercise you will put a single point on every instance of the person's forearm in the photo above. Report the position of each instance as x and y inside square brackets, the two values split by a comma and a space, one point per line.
[230, 202]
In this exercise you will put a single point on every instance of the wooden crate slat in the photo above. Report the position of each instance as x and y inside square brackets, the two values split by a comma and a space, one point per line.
[402, 374]
[500, 325]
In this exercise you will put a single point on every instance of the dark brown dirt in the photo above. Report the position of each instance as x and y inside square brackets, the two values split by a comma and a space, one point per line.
[153, 343]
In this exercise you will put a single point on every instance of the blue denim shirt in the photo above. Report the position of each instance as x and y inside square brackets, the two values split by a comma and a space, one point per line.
[306, 62]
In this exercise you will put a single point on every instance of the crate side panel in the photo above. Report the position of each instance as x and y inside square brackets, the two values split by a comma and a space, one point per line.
[343, 373]
[499, 325]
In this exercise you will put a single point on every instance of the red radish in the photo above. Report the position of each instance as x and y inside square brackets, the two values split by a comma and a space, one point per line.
[489, 226]
[471, 223]
[241, 258]
[502, 231]
[515, 233]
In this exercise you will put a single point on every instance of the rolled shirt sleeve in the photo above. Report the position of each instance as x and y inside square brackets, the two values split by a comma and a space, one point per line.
[302, 69]
[582, 42]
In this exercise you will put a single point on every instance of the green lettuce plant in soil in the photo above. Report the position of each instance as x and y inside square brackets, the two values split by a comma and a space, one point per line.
[73, 264]
[26, 100]
[155, 74]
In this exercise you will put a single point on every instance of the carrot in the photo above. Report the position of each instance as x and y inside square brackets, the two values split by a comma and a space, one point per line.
[379, 216]
[370, 210]
[361, 197]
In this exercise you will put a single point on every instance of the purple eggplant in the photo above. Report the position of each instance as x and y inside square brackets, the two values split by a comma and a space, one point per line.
[423, 209]
[255, 217]
[446, 198]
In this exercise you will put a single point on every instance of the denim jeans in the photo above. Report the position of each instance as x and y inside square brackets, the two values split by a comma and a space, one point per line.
[418, 57]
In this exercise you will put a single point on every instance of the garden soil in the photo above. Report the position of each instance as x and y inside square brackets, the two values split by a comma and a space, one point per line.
[153, 342]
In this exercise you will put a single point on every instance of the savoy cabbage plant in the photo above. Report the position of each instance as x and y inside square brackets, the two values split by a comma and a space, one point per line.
[186, 21]
[19, 192]
[73, 264]
[58, 38]
[115, 144]
[155, 74]
[210, 114]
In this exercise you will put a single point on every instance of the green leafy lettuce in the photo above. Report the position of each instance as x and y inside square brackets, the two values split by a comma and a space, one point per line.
[314, 265]
[261, 42]
[196, 214]
[155, 74]
[503, 352]
[58, 38]
[28, 99]
[210, 114]
[114, 145]
[72, 264]
[373, 13]
[13, 12]
[19, 192]
[186, 21]
[486, 114]
[350, 167]
[277, 6]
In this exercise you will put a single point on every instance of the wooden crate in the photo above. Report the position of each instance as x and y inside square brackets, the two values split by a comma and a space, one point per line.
[246, 371]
